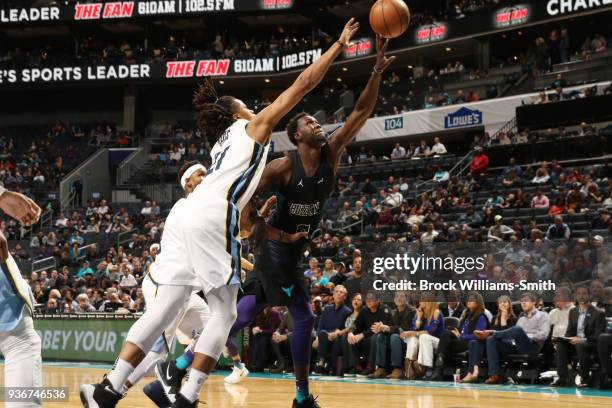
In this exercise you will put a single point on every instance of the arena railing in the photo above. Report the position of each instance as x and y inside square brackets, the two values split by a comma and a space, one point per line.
[126, 236]
[44, 264]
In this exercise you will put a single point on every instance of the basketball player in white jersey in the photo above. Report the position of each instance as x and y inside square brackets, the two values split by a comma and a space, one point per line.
[207, 256]
[193, 316]
[19, 343]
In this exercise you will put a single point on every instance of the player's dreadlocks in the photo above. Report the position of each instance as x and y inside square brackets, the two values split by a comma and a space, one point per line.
[292, 126]
[214, 114]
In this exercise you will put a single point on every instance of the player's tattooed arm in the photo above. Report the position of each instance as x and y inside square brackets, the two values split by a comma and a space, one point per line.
[264, 122]
[364, 107]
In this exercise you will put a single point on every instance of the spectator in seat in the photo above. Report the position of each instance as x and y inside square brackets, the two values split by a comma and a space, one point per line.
[265, 325]
[504, 319]
[428, 237]
[363, 338]
[603, 221]
[557, 208]
[394, 198]
[127, 280]
[281, 342]
[344, 215]
[480, 165]
[356, 305]
[423, 338]
[147, 209]
[368, 188]
[62, 221]
[422, 150]
[313, 264]
[356, 282]
[84, 270]
[399, 152]
[329, 330]
[559, 82]
[453, 307]
[390, 340]
[540, 200]
[51, 307]
[528, 336]
[340, 276]
[83, 304]
[541, 176]
[441, 177]
[499, 231]
[438, 148]
[585, 325]
[457, 340]
[470, 218]
[559, 316]
[559, 231]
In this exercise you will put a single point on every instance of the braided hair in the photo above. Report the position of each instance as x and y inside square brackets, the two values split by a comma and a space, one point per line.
[214, 114]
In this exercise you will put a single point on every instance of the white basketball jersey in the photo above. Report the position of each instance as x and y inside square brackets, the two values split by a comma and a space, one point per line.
[238, 162]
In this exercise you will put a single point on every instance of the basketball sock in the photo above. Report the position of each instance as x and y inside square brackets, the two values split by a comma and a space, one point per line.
[184, 360]
[119, 374]
[144, 367]
[301, 391]
[193, 385]
[238, 364]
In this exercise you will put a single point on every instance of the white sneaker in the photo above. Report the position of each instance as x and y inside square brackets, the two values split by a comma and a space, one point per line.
[237, 374]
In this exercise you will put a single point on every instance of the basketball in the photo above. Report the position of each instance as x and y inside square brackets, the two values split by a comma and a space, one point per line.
[389, 18]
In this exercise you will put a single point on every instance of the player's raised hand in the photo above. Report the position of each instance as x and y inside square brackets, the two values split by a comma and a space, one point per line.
[349, 31]
[20, 207]
[265, 209]
[382, 61]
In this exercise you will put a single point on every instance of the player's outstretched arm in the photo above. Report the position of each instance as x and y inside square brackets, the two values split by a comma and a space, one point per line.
[19, 207]
[365, 104]
[261, 126]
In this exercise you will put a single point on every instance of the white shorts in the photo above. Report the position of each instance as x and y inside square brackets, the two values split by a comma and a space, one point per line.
[190, 320]
[21, 348]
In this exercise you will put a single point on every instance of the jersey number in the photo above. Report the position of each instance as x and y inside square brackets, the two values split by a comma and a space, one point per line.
[216, 163]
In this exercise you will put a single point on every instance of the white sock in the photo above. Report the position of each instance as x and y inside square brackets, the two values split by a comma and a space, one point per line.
[193, 385]
[119, 374]
[144, 368]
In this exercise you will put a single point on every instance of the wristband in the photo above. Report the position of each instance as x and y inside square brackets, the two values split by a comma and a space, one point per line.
[340, 44]
[377, 71]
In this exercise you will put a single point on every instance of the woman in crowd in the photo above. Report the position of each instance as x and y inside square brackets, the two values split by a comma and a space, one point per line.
[423, 339]
[457, 340]
[504, 319]
[347, 356]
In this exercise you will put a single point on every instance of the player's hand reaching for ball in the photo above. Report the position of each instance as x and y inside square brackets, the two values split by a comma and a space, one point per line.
[20, 207]
[349, 31]
[382, 61]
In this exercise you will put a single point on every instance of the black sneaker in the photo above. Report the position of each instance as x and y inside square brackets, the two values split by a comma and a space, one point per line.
[170, 378]
[182, 402]
[350, 373]
[155, 392]
[310, 402]
[101, 395]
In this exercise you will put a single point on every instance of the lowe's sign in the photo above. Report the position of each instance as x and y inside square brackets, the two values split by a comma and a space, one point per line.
[464, 117]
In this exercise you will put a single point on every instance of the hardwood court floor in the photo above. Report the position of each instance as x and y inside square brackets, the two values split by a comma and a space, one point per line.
[277, 392]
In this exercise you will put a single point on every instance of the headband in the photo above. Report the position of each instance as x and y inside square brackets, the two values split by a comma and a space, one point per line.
[189, 172]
